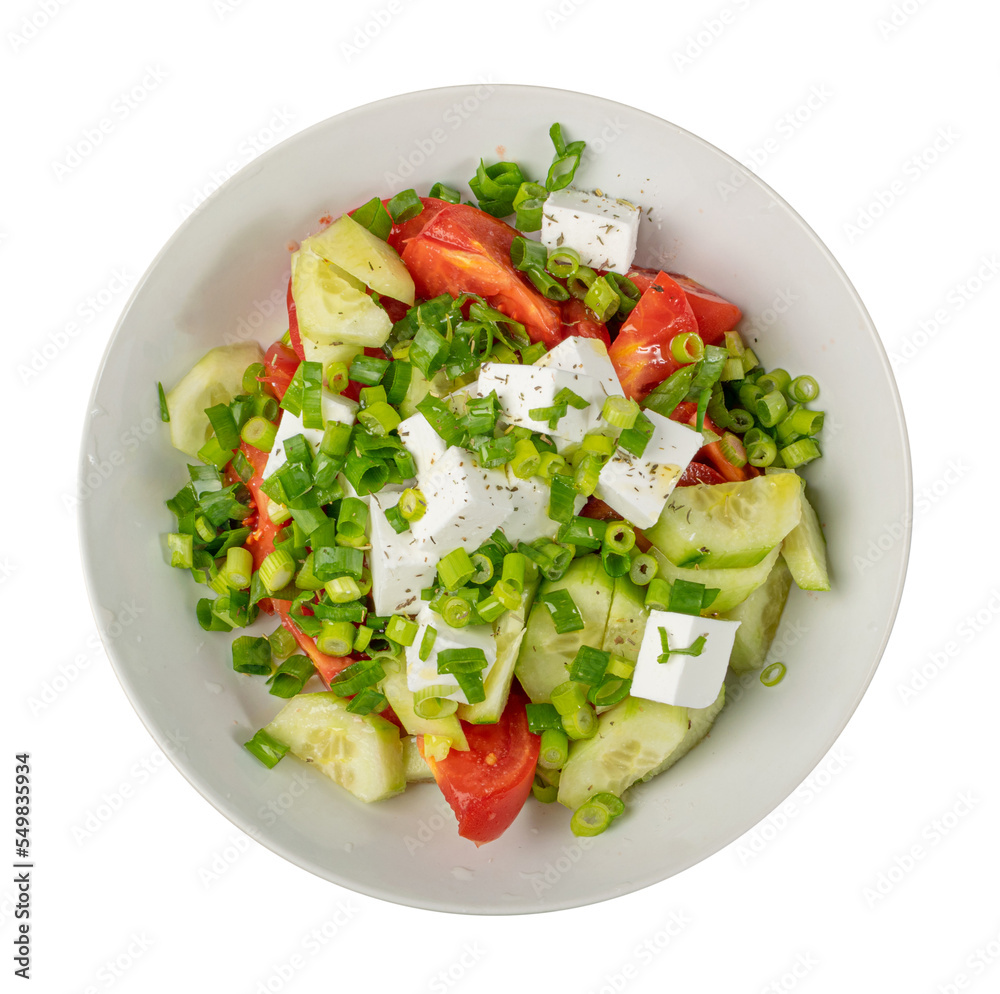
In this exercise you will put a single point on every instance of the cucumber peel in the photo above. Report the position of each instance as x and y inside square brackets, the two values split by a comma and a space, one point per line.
[759, 616]
[804, 549]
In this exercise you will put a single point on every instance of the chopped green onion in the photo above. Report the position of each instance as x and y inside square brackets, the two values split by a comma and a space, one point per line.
[333, 561]
[354, 678]
[277, 570]
[412, 504]
[740, 421]
[544, 793]
[525, 461]
[619, 412]
[490, 608]
[343, 589]
[528, 214]
[224, 425]
[776, 380]
[803, 389]
[690, 598]
[562, 498]
[565, 614]
[581, 724]
[513, 573]
[446, 193]
[687, 347]
[542, 717]
[762, 452]
[628, 293]
[694, 649]
[427, 643]
[799, 453]
[405, 206]
[433, 702]
[635, 439]
[533, 353]
[336, 638]
[732, 449]
[181, 550]
[282, 642]
[771, 408]
[658, 595]
[553, 750]
[600, 445]
[164, 412]
[496, 186]
[588, 665]
[367, 701]
[379, 418]
[587, 533]
[456, 611]
[619, 536]
[266, 748]
[773, 674]
[368, 370]
[456, 569]
[252, 654]
[374, 217]
[527, 254]
[351, 519]
[806, 422]
[563, 262]
[550, 465]
[643, 569]
[612, 689]
[362, 638]
[290, 677]
[239, 567]
[484, 569]
[602, 298]
[401, 630]
[568, 696]
[587, 474]
[590, 819]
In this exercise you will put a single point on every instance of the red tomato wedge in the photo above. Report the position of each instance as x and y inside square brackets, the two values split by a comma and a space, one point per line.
[699, 472]
[280, 363]
[641, 351]
[488, 785]
[461, 249]
[687, 413]
[715, 315]
[580, 322]
[327, 666]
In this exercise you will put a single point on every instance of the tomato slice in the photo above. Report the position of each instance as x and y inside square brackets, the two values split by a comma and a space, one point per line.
[462, 249]
[488, 785]
[403, 232]
[327, 666]
[699, 472]
[280, 363]
[687, 412]
[715, 315]
[578, 321]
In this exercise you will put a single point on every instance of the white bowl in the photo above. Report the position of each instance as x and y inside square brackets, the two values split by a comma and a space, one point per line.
[223, 274]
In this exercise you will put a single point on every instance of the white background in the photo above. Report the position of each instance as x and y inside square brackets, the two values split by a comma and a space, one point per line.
[881, 872]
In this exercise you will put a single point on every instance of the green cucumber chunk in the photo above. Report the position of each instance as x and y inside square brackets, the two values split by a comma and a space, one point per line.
[734, 585]
[700, 720]
[509, 632]
[804, 549]
[216, 378]
[633, 737]
[364, 754]
[400, 699]
[544, 657]
[415, 767]
[727, 525]
[759, 616]
[626, 619]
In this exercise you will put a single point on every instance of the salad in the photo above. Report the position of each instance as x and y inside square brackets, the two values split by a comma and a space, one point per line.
[515, 504]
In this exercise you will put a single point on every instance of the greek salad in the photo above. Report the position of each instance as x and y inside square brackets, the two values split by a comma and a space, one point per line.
[515, 503]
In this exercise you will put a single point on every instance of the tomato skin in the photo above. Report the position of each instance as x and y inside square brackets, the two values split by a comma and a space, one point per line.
[487, 796]
[687, 413]
[462, 249]
[578, 321]
[402, 233]
[327, 666]
[293, 323]
[699, 472]
[715, 315]
[280, 363]
[641, 351]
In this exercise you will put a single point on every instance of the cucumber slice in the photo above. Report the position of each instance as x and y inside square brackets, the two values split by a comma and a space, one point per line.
[334, 352]
[509, 632]
[400, 699]
[727, 525]
[633, 737]
[804, 549]
[364, 754]
[734, 585]
[329, 309]
[700, 720]
[759, 615]
[626, 619]
[365, 256]
[415, 766]
[545, 655]
[214, 379]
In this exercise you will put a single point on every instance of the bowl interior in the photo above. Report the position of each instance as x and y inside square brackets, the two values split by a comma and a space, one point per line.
[222, 277]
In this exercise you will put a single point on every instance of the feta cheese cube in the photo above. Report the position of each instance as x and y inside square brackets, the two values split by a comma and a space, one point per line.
[421, 674]
[588, 356]
[520, 389]
[401, 566]
[638, 487]
[604, 231]
[529, 502]
[685, 681]
[337, 408]
[422, 442]
[334, 407]
[465, 503]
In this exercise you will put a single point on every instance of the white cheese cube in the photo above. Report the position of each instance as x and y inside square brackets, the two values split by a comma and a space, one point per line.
[421, 674]
[529, 502]
[588, 356]
[465, 503]
[603, 230]
[334, 407]
[521, 389]
[638, 487]
[422, 442]
[685, 681]
[401, 566]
